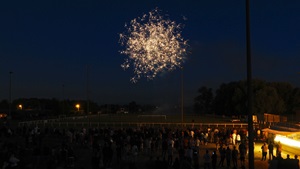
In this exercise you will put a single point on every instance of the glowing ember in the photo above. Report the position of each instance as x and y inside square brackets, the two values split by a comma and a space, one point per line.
[153, 44]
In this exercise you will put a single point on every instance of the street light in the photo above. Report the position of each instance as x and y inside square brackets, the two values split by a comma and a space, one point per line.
[63, 98]
[249, 88]
[9, 108]
[20, 106]
[77, 106]
[182, 99]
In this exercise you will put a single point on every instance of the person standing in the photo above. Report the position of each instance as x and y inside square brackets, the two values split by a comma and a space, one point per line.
[271, 147]
[170, 155]
[206, 138]
[206, 158]
[195, 159]
[278, 149]
[198, 142]
[13, 161]
[164, 149]
[243, 151]
[214, 160]
[189, 155]
[264, 150]
[234, 155]
[258, 134]
[223, 155]
[176, 164]
[134, 152]
[297, 161]
[234, 138]
[238, 139]
[228, 156]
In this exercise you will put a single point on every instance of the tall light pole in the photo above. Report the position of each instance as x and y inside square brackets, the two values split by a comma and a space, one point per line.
[87, 95]
[249, 89]
[87, 90]
[9, 106]
[182, 103]
[63, 98]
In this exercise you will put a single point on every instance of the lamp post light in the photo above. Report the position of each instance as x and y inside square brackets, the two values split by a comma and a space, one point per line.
[182, 99]
[20, 106]
[249, 89]
[63, 99]
[9, 107]
[77, 106]
[87, 91]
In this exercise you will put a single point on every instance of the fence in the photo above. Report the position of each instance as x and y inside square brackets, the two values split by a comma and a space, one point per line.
[53, 123]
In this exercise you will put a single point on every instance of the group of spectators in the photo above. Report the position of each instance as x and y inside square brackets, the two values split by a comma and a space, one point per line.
[232, 155]
[277, 161]
[166, 147]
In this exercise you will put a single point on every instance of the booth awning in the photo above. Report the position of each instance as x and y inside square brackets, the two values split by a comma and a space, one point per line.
[285, 133]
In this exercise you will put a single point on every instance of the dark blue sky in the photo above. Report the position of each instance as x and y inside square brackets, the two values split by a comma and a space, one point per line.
[48, 44]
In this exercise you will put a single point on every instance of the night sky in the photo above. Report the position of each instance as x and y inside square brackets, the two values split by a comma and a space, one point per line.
[56, 49]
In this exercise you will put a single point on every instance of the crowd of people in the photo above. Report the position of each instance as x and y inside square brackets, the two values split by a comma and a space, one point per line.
[162, 147]
[168, 147]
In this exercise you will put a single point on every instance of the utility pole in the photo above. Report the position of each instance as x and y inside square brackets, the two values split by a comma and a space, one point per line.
[9, 106]
[182, 96]
[63, 98]
[249, 89]
[87, 90]
[87, 95]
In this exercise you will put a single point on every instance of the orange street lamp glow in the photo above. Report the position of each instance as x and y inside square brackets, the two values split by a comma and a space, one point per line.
[20, 106]
[77, 106]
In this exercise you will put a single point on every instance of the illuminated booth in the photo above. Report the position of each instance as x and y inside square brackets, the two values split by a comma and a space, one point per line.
[289, 139]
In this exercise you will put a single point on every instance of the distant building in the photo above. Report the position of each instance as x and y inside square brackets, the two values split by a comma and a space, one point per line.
[274, 118]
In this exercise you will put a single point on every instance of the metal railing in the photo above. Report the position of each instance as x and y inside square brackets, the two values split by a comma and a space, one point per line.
[57, 123]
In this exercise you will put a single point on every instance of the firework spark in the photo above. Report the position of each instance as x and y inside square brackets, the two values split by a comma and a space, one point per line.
[153, 44]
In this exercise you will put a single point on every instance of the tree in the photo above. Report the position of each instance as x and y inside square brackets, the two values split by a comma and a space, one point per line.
[239, 99]
[203, 102]
[225, 101]
[133, 107]
[286, 92]
[276, 97]
[294, 102]
[4, 104]
[266, 100]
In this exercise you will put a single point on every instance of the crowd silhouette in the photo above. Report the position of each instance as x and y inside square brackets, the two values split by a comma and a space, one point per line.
[162, 147]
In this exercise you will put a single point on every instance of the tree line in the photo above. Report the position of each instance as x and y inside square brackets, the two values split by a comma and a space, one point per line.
[231, 98]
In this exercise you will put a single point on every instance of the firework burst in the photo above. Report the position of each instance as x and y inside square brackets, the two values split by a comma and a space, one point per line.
[153, 44]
